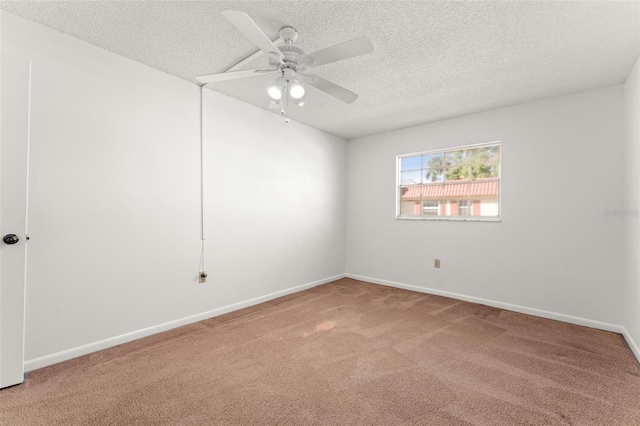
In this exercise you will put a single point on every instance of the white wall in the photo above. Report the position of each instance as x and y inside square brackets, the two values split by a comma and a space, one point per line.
[554, 254]
[631, 194]
[114, 199]
[277, 200]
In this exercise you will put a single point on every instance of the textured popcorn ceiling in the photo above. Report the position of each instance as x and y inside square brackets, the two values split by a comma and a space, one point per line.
[432, 60]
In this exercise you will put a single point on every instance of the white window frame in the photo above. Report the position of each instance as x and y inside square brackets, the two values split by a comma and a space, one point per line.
[497, 218]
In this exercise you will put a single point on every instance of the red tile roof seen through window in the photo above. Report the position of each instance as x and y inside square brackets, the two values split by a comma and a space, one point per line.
[478, 188]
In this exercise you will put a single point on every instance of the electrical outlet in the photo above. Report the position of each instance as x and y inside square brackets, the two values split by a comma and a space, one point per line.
[203, 277]
[436, 263]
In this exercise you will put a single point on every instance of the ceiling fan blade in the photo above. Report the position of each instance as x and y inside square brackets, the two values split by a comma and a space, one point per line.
[232, 75]
[330, 88]
[348, 49]
[245, 24]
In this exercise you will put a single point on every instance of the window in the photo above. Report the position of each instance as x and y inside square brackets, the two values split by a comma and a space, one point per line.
[454, 184]
[430, 208]
[464, 208]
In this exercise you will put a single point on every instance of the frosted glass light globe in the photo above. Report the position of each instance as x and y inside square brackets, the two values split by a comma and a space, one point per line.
[275, 92]
[296, 90]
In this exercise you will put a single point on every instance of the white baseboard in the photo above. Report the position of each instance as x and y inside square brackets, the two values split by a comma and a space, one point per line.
[508, 306]
[65, 355]
[632, 344]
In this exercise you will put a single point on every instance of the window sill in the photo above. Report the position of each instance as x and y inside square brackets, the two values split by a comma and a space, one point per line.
[451, 219]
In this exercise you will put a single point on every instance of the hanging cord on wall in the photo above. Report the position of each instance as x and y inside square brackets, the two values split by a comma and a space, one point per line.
[203, 270]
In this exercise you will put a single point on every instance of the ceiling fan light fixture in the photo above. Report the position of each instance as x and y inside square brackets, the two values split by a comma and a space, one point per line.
[275, 90]
[300, 102]
[296, 90]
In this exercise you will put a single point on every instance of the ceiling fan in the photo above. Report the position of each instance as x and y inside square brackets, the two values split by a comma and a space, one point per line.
[290, 62]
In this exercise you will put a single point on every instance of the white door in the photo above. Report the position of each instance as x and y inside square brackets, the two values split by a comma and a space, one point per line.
[15, 79]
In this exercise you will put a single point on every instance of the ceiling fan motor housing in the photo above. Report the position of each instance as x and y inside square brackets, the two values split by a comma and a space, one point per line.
[293, 56]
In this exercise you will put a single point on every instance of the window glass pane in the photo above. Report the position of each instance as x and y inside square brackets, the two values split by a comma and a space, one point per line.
[410, 163]
[412, 192]
[457, 165]
[433, 160]
[410, 204]
[455, 190]
[433, 175]
[489, 206]
[432, 191]
[458, 172]
[479, 160]
[476, 156]
[456, 158]
[412, 177]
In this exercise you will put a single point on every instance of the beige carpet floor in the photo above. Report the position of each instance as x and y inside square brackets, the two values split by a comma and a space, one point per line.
[345, 353]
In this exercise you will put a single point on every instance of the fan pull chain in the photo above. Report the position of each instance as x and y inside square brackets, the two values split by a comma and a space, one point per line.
[285, 104]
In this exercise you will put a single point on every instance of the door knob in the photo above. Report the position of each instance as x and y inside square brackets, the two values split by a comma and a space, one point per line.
[10, 239]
